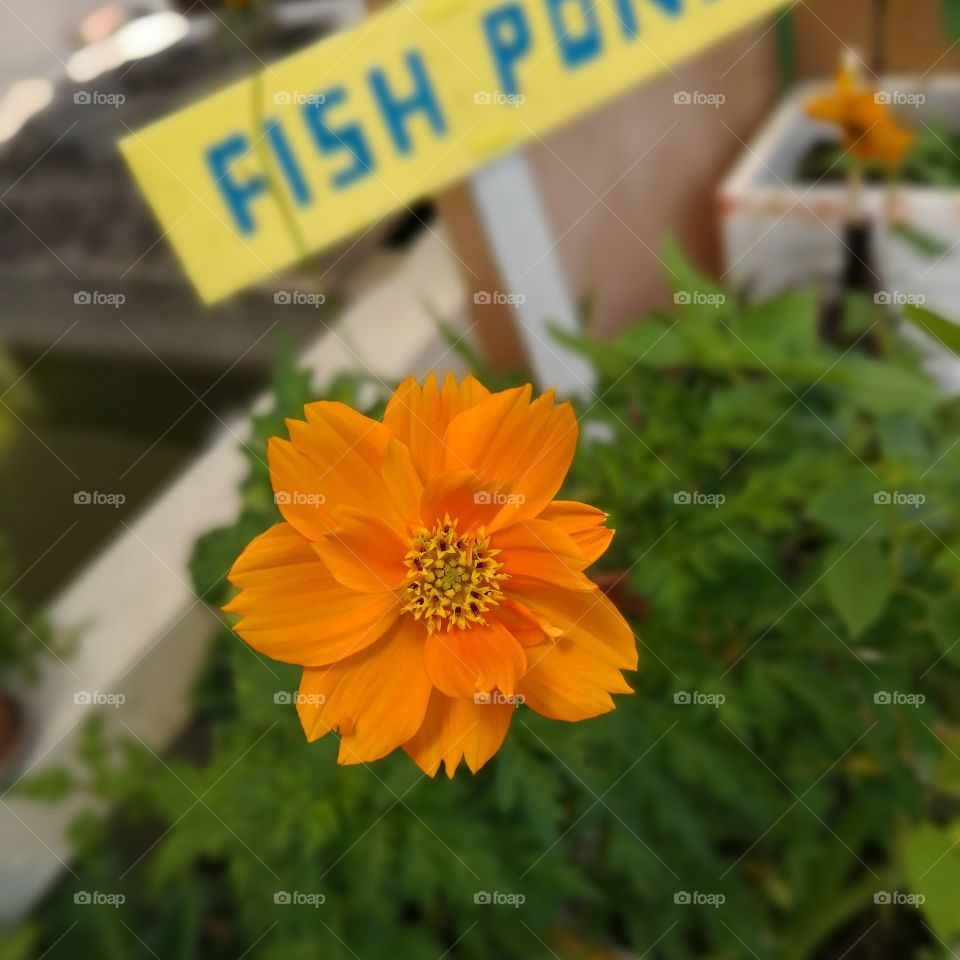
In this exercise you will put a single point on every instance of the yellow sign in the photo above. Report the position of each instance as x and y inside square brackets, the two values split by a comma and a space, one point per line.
[329, 140]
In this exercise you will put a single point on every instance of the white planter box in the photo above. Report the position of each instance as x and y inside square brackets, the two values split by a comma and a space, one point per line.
[780, 232]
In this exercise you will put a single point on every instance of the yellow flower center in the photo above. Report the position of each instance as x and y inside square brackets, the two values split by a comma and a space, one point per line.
[451, 577]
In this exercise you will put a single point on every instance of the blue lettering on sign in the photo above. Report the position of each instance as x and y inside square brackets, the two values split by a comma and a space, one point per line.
[288, 164]
[628, 15]
[577, 37]
[397, 110]
[236, 195]
[576, 48]
[348, 137]
[508, 36]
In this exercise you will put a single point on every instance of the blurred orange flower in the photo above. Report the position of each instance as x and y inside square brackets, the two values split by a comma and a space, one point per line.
[427, 580]
[870, 131]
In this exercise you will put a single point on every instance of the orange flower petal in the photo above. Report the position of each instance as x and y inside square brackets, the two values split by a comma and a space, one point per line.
[376, 699]
[572, 677]
[330, 462]
[402, 482]
[462, 495]
[294, 610]
[481, 658]
[539, 551]
[456, 728]
[583, 523]
[419, 416]
[587, 616]
[521, 623]
[364, 553]
[518, 446]
[571, 680]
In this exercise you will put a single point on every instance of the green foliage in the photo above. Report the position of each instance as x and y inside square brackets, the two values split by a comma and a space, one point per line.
[788, 531]
[24, 639]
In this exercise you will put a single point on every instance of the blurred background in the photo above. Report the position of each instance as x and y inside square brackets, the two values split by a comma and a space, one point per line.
[764, 364]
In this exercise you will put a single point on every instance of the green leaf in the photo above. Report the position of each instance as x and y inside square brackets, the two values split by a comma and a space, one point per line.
[944, 619]
[50, 785]
[857, 580]
[848, 508]
[947, 334]
[918, 239]
[950, 12]
[932, 868]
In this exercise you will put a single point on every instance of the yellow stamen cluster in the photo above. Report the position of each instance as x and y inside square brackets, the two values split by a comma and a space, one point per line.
[452, 577]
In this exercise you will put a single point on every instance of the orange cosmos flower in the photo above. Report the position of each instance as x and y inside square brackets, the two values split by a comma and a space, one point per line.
[870, 131]
[427, 580]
